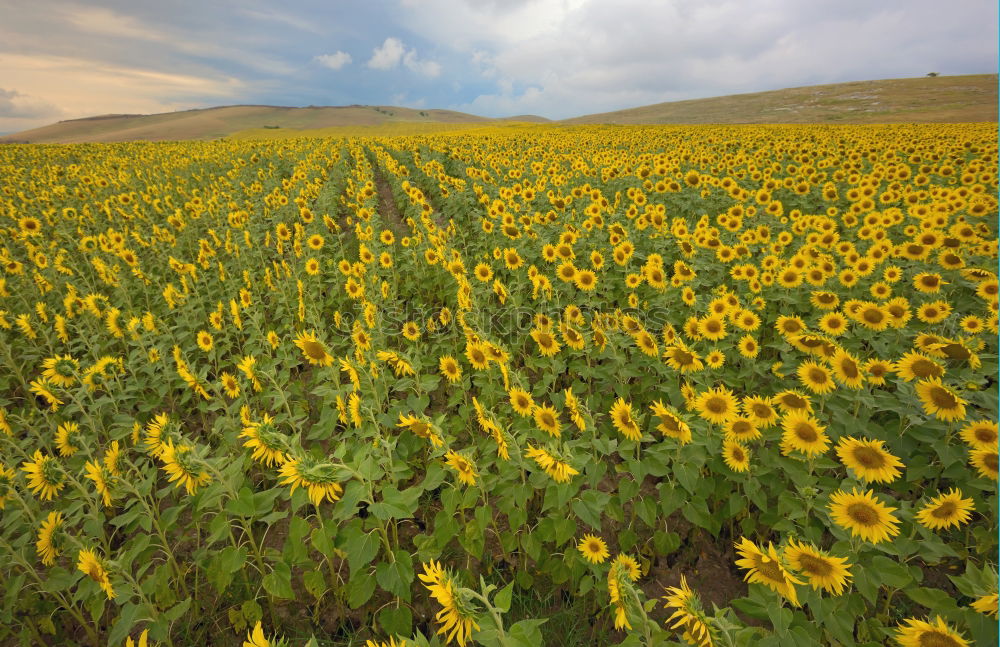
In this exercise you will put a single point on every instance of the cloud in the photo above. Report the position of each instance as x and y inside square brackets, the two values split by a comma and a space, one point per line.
[427, 68]
[388, 55]
[563, 58]
[392, 52]
[84, 88]
[16, 105]
[333, 61]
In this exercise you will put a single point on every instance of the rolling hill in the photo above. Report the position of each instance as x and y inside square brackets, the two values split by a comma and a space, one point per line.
[968, 98]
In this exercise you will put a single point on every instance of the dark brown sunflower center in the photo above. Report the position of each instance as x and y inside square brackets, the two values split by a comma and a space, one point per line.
[770, 569]
[806, 432]
[817, 376]
[742, 427]
[314, 350]
[873, 316]
[925, 368]
[863, 514]
[945, 511]
[869, 458]
[933, 638]
[547, 419]
[737, 454]
[594, 547]
[762, 411]
[942, 398]
[683, 357]
[716, 405]
[849, 368]
[991, 462]
[985, 435]
[816, 566]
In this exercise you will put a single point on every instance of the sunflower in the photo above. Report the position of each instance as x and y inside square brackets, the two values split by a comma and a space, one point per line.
[64, 438]
[97, 473]
[422, 428]
[465, 468]
[981, 434]
[717, 405]
[477, 355]
[204, 340]
[847, 369]
[594, 549]
[987, 605]
[682, 359]
[313, 350]
[917, 633]
[873, 316]
[256, 637]
[624, 421]
[182, 465]
[318, 478]
[585, 280]
[787, 326]
[765, 567]
[522, 402]
[42, 388]
[559, 470]
[759, 410]
[45, 476]
[450, 369]
[823, 570]
[934, 312]
[688, 617]
[864, 515]
[671, 423]
[715, 359]
[741, 428]
[944, 510]
[49, 538]
[985, 462]
[93, 567]
[877, 369]
[803, 433]
[748, 346]
[917, 366]
[457, 615]
[143, 640]
[230, 385]
[940, 401]
[268, 444]
[411, 331]
[868, 459]
[816, 377]
[547, 344]
[735, 455]
[712, 328]
[60, 370]
[547, 419]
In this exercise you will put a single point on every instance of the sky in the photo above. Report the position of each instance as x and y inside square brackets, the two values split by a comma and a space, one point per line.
[554, 58]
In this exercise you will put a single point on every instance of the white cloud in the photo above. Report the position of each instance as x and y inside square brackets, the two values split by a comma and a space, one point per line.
[17, 105]
[427, 68]
[392, 52]
[563, 58]
[333, 61]
[388, 55]
[85, 88]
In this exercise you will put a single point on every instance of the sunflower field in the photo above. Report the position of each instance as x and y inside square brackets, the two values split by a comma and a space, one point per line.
[511, 386]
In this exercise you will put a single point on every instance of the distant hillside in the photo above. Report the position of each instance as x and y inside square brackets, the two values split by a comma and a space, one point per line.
[211, 123]
[925, 99]
[967, 98]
